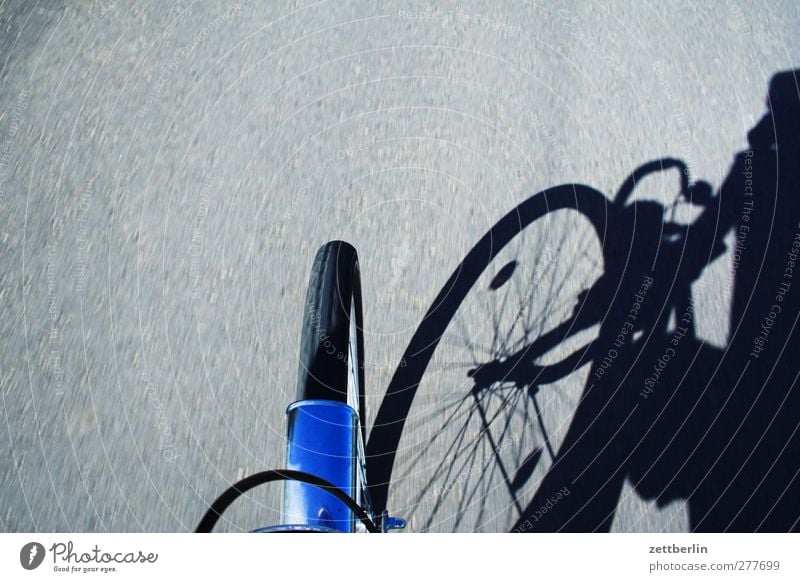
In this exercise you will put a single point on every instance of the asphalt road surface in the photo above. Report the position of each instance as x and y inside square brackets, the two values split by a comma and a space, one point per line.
[169, 169]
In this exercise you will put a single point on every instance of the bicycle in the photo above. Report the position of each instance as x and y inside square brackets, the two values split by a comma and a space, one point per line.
[326, 488]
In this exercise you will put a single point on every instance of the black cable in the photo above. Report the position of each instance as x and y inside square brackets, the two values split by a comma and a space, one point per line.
[234, 491]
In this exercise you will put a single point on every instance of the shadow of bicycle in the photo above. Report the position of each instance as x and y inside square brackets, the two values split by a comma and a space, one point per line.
[654, 405]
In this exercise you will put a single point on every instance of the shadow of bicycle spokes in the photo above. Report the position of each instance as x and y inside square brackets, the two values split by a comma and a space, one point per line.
[489, 426]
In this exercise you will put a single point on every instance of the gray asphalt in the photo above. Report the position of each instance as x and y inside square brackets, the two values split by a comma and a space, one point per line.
[169, 168]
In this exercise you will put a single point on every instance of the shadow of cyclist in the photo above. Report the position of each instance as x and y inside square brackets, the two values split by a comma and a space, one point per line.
[751, 479]
[680, 419]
